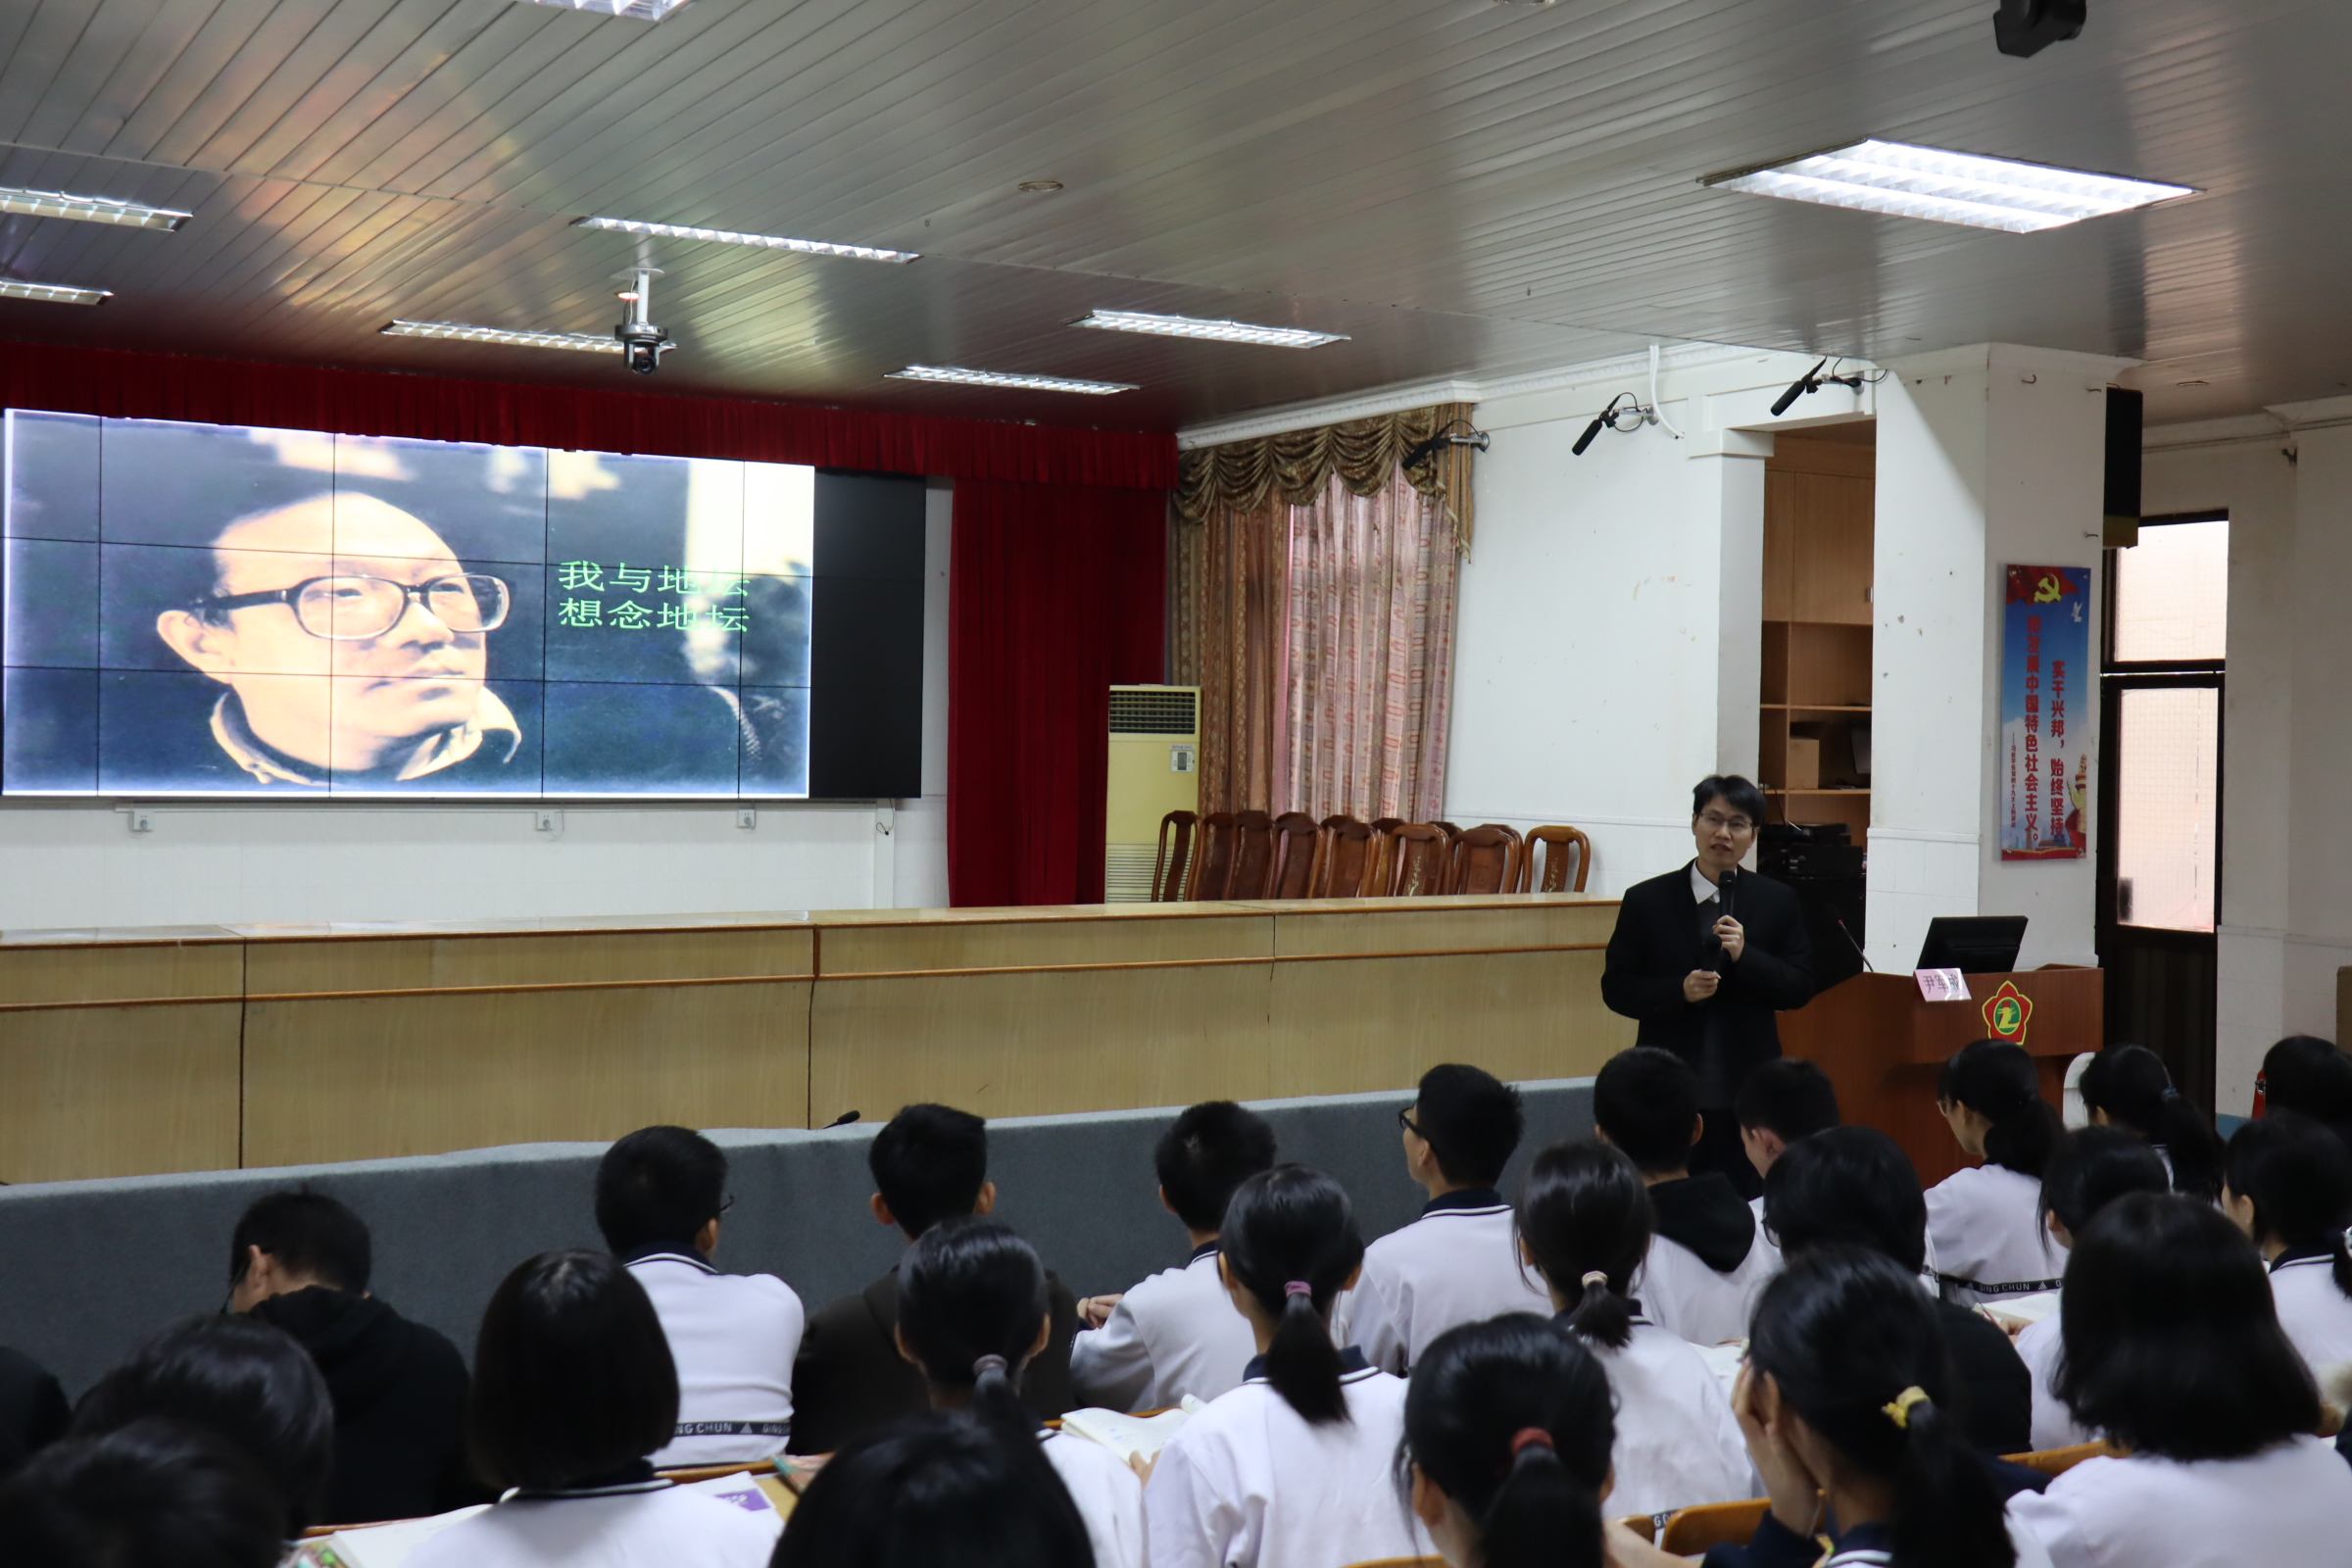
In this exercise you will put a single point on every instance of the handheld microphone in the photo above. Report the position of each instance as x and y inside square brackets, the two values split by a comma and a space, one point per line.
[1856, 945]
[1723, 887]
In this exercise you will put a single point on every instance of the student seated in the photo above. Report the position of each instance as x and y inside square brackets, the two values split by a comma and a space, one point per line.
[301, 1261]
[1506, 1436]
[1783, 1099]
[2310, 1077]
[2090, 1168]
[2174, 1354]
[1855, 1187]
[948, 1489]
[1583, 1224]
[972, 1314]
[573, 1390]
[240, 1380]
[2126, 1086]
[1177, 1333]
[733, 1337]
[2289, 1189]
[930, 1163]
[1457, 1264]
[33, 1410]
[1709, 1258]
[155, 1492]
[1293, 1468]
[1982, 1227]
[1845, 1401]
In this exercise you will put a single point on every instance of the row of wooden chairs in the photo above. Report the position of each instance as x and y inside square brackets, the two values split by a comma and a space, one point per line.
[1250, 855]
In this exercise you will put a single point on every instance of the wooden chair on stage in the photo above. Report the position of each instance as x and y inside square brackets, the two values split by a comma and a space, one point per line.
[1560, 844]
[1253, 855]
[1447, 828]
[1297, 855]
[1418, 860]
[1212, 857]
[1351, 864]
[1486, 860]
[1175, 855]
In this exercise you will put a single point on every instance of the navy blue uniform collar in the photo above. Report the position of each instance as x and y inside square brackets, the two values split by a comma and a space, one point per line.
[1352, 1361]
[1467, 1198]
[1205, 1249]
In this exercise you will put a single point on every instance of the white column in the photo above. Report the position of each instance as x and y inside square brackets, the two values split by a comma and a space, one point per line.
[1728, 466]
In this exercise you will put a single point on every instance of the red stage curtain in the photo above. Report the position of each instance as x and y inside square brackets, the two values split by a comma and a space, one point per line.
[171, 387]
[1057, 593]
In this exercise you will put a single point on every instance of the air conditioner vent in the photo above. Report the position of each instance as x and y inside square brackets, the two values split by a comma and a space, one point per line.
[1146, 710]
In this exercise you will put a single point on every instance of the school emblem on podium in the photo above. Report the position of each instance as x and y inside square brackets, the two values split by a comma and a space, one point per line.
[2006, 1013]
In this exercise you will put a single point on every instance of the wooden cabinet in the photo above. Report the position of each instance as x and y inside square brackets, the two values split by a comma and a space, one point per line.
[1813, 754]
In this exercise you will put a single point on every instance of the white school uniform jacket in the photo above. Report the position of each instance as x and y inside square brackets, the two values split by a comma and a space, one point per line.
[733, 1338]
[2287, 1504]
[1177, 1333]
[1109, 1497]
[2316, 1315]
[1987, 1238]
[1248, 1484]
[1457, 1263]
[1704, 1295]
[644, 1525]
[2038, 1346]
[1678, 1443]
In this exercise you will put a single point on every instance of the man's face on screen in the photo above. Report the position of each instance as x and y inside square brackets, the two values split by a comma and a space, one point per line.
[338, 702]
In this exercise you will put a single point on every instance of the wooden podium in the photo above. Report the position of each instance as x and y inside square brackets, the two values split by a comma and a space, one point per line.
[1882, 1044]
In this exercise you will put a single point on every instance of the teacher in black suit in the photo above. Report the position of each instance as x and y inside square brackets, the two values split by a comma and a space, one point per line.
[1703, 957]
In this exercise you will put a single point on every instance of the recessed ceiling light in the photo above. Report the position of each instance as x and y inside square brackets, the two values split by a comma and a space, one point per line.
[1903, 181]
[1286, 337]
[89, 209]
[580, 342]
[642, 10]
[1029, 383]
[1041, 187]
[2191, 383]
[51, 293]
[728, 237]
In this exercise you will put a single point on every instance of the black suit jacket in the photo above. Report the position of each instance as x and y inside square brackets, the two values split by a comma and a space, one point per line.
[1661, 937]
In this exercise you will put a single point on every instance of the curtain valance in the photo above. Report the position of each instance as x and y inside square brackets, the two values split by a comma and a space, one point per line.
[1295, 466]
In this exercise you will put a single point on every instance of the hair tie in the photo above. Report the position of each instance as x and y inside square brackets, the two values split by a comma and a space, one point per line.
[1900, 1411]
[1592, 1276]
[1298, 1288]
[1530, 1437]
[987, 1364]
[2170, 1093]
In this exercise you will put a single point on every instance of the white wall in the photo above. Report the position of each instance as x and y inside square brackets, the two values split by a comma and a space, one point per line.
[79, 866]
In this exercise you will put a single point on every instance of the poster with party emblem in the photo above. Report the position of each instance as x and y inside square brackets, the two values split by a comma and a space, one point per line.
[2047, 676]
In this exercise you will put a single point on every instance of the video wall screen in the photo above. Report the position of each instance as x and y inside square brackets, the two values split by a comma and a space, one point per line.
[222, 609]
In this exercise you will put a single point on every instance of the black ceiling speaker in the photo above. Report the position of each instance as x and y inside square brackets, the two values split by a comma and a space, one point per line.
[2024, 28]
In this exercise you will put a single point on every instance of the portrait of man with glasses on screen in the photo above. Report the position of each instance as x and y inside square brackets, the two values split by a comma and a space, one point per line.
[354, 649]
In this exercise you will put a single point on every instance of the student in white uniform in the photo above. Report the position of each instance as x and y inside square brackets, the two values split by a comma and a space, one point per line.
[1177, 1333]
[2127, 1086]
[1507, 1439]
[2289, 1189]
[2174, 1354]
[1294, 1469]
[659, 1194]
[930, 1489]
[2090, 1169]
[1585, 1225]
[1782, 1101]
[1982, 1224]
[572, 1390]
[973, 1312]
[1709, 1258]
[1847, 1406]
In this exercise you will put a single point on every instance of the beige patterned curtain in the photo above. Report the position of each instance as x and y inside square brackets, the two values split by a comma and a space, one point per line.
[1296, 465]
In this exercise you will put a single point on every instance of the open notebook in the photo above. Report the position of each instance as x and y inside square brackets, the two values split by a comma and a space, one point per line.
[388, 1545]
[1131, 1436]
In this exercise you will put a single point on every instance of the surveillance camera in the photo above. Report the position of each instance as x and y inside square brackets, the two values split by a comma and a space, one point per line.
[642, 343]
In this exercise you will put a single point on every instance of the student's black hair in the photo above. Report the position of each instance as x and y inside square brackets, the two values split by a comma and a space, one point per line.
[308, 1233]
[2299, 1176]
[1848, 1186]
[929, 1164]
[1292, 1226]
[2172, 1345]
[1787, 1095]
[2311, 1077]
[1513, 1420]
[2130, 1084]
[971, 1303]
[1472, 1121]
[1584, 1212]
[658, 1187]
[239, 1379]
[1733, 791]
[1645, 1102]
[572, 1376]
[940, 1491]
[1999, 1082]
[1213, 1147]
[2090, 1168]
[1848, 1333]
[155, 1492]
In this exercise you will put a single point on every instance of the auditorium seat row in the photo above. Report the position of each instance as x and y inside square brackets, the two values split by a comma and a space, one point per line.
[1250, 855]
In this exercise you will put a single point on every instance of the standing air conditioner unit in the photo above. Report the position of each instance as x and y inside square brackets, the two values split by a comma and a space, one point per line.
[1154, 769]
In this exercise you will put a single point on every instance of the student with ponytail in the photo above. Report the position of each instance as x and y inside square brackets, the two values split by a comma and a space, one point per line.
[2092, 1167]
[974, 1311]
[1284, 1470]
[2289, 1187]
[2126, 1086]
[1982, 1231]
[1585, 1225]
[1506, 1446]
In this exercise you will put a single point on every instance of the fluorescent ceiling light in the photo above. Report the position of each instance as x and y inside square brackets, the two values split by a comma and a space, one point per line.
[1282, 337]
[642, 10]
[1029, 383]
[581, 342]
[1887, 176]
[728, 237]
[89, 209]
[51, 293]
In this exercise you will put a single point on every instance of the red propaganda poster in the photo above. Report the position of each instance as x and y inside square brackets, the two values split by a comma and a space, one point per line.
[2046, 752]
